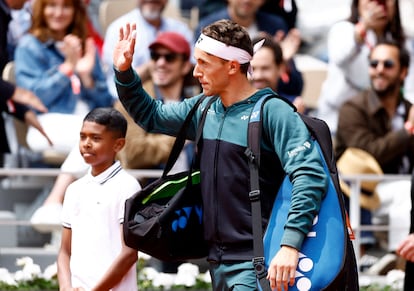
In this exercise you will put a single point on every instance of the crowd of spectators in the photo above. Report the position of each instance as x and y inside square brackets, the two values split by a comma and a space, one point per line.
[62, 55]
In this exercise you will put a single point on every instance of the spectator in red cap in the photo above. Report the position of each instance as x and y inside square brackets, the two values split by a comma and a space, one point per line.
[172, 41]
[151, 18]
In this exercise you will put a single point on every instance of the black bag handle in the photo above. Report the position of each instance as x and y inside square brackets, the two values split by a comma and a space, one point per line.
[181, 136]
[254, 133]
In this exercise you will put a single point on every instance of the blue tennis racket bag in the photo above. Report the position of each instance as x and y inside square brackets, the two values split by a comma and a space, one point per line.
[327, 259]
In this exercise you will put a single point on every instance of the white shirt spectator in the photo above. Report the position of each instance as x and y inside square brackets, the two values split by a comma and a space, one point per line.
[146, 34]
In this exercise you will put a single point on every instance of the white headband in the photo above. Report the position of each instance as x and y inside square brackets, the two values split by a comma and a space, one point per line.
[221, 50]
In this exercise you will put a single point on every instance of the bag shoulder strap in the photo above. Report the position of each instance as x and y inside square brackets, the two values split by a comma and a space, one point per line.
[182, 133]
[254, 133]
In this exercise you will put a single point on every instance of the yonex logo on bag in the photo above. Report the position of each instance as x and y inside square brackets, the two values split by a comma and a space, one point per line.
[305, 265]
[312, 233]
[184, 215]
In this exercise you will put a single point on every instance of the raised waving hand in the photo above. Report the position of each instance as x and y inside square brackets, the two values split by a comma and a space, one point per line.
[124, 49]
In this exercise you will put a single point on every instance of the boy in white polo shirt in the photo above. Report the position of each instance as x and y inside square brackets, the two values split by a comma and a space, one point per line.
[93, 255]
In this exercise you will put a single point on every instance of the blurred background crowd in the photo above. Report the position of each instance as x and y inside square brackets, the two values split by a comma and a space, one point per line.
[348, 62]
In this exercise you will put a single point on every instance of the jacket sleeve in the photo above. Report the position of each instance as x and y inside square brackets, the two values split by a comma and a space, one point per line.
[151, 114]
[301, 161]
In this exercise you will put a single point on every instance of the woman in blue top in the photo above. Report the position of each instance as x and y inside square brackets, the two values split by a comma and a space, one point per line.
[59, 63]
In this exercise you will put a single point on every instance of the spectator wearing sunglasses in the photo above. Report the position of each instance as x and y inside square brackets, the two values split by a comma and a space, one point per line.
[149, 17]
[380, 121]
[349, 44]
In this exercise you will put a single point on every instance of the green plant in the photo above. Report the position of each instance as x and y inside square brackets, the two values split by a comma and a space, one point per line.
[378, 287]
[188, 278]
[31, 278]
[35, 284]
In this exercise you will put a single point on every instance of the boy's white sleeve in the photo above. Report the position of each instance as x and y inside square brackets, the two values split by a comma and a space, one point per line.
[69, 204]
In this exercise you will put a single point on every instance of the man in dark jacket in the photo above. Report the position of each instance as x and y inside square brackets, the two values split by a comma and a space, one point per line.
[14, 100]
[380, 121]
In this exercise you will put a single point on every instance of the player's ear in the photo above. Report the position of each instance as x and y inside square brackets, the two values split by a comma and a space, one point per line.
[234, 67]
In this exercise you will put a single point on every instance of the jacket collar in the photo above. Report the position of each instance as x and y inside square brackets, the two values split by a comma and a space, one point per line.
[374, 104]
